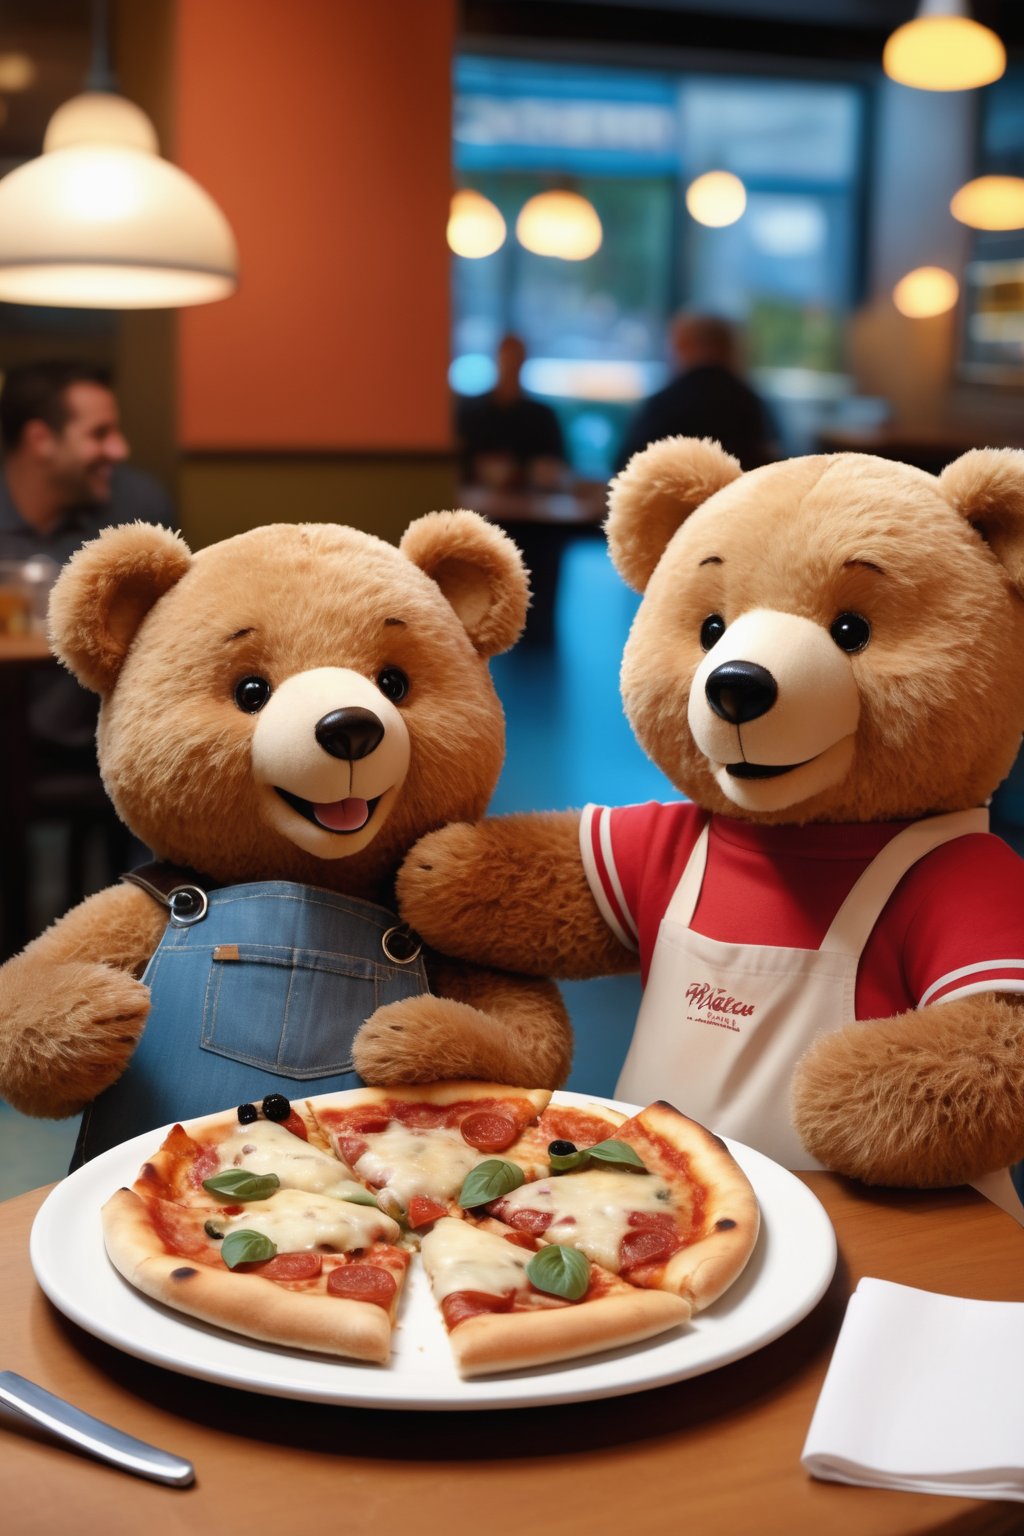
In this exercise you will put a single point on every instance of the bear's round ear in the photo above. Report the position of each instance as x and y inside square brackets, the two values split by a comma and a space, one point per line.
[105, 591]
[986, 486]
[655, 494]
[479, 570]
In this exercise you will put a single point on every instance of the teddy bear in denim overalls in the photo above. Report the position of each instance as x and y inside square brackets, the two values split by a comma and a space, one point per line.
[282, 715]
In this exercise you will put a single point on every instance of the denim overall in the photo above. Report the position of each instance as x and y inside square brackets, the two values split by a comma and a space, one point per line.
[256, 989]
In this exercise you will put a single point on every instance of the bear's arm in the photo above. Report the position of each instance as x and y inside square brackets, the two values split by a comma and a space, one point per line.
[473, 1023]
[71, 1008]
[510, 892]
[927, 1099]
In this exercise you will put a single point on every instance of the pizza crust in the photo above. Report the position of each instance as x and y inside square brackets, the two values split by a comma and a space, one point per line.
[509, 1341]
[439, 1094]
[731, 1216]
[242, 1303]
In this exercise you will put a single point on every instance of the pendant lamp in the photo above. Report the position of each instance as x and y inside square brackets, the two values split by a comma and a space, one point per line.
[925, 292]
[101, 221]
[990, 202]
[475, 226]
[944, 49]
[559, 223]
[717, 198]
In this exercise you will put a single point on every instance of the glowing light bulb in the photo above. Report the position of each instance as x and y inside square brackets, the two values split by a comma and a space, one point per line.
[926, 291]
[943, 52]
[561, 224]
[990, 202]
[475, 226]
[717, 198]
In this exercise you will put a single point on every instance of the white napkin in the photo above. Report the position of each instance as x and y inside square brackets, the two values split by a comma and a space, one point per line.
[924, 1392]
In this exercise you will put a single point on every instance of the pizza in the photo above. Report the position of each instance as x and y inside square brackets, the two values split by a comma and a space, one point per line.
[545, 1230]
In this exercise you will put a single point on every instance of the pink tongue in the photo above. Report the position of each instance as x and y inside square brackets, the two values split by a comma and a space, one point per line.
[342, 815]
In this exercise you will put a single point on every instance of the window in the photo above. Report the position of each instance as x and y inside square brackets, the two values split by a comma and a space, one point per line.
[631, 142]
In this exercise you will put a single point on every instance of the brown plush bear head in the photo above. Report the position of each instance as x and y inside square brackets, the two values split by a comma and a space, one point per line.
[832, 638]
[299, 702]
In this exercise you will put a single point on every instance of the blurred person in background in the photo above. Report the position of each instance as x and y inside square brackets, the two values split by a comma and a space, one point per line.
[63, 478]
[707, 398]
[506, 439]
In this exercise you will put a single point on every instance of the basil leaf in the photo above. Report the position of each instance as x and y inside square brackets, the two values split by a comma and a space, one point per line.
[618, 1152]
[242, 1247]
[560, 1271]
[562, 1164]
[240, 1184]
[490, 1180]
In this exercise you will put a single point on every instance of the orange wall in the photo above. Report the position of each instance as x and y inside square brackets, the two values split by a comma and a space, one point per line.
[323, 130]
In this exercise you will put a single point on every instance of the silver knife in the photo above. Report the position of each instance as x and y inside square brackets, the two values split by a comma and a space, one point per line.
[92, 1435]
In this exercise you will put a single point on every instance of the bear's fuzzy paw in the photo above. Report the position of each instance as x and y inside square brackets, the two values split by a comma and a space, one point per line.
[425, 1039]
[927, 1099]
[66, 1032]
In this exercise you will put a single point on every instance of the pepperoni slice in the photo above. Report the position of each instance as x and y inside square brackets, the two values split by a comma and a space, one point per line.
[422, 1209]
[462, 1304]
[489, 1131]
[289, 1266]
[653, 1221]
[351, 1148]
[536, 1222]
[296, 1125]
[363, 1282]
[647, 1245]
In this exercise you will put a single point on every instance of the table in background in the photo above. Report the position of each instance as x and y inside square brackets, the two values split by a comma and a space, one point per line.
[542, 523]
[718, 1453]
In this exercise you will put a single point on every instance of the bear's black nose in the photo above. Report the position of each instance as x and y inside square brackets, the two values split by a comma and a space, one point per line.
[350, 733]
[740, 690]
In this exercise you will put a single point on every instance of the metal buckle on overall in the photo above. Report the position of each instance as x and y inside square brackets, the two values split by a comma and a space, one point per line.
[188, 904]
[401, 945]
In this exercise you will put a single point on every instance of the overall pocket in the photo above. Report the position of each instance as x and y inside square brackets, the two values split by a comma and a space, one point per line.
[290, 1011]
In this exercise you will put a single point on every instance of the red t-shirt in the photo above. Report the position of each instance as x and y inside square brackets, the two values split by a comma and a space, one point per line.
[953, 926]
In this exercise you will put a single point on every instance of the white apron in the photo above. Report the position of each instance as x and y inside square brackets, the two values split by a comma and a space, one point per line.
[722, 1026]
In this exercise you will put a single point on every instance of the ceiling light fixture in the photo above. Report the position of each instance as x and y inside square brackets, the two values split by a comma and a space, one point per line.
[925, 292]
[990, 202]
[716, 199]
[559, 223]
[944, 49]
[101, 221]
[475, 226]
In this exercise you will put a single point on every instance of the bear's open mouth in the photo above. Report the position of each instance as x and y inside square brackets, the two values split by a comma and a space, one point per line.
[762, 770]
[341, 816]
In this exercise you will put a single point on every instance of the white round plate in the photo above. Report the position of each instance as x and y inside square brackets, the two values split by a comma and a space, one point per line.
[788, 1273]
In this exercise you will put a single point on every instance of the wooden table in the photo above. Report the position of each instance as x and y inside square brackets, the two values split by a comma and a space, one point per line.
[717, 1454]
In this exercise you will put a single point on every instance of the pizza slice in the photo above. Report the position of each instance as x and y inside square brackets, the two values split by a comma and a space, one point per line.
[298, 1268]
[415, 1146]
[510, 1302]
[662, 1203]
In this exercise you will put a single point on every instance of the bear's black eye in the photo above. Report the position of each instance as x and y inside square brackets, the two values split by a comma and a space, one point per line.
[851, 632]
[251, 693]
[712, 630]
[393, 684]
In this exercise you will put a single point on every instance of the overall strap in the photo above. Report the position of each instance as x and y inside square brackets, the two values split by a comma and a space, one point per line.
[181, 891]
[851, 927]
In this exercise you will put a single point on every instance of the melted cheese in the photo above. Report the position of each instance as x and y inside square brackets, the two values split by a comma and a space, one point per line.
[265, 1147]
[459, 1257]
[298, 1220]
[408, 1161]
[590, 1210]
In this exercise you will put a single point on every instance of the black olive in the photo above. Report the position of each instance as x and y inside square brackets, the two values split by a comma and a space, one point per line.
[276, 1107]
[247, 1113]
[561, 1148]
[211, 1230]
